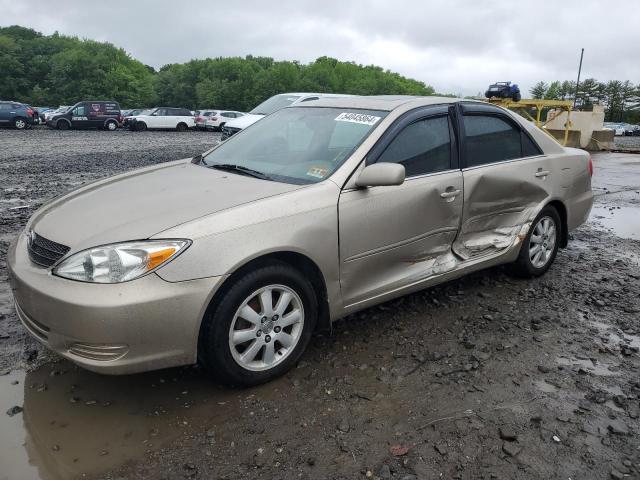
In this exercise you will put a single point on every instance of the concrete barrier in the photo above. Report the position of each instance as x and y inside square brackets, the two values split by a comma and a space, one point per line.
[599, 140]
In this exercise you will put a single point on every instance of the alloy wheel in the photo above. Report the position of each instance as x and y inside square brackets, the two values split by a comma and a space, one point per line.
[542, 242]
[266, 327]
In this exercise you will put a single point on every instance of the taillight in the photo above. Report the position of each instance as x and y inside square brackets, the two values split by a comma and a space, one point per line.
[590, 167]
[29, 112]
[214, 119]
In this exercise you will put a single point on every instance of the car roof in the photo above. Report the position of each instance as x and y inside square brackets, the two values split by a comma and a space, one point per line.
[378, 102]
[314, 94]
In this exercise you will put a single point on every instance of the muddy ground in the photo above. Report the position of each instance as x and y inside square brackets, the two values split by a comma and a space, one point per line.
[489, 376]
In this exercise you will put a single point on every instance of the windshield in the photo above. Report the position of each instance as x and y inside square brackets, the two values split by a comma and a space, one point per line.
[274, 104]
[148, 111]
[297, 145]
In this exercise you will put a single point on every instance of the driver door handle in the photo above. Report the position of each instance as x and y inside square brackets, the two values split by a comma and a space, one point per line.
[542, 173]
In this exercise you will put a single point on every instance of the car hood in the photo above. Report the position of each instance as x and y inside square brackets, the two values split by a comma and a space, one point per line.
[244, 121]
[139, 204]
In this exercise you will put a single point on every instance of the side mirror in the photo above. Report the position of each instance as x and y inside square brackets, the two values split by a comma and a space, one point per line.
[381, 175]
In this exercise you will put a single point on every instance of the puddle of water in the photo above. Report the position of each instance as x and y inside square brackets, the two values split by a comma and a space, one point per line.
[623, 221]
[85, 423]
[588, 365]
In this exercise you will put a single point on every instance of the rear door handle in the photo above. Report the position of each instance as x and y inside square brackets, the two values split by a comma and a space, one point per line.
[542, 173]
[450, 194]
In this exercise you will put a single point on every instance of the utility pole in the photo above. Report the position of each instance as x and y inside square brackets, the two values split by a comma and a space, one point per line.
[575, 97]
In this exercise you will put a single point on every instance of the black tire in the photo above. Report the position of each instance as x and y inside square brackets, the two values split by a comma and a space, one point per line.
[140, 126]
[516, 97]
[181, 127]
[111, 125]
[214, 352]
[523, 266]
[62, 125]
[221, 125]
[20, 123]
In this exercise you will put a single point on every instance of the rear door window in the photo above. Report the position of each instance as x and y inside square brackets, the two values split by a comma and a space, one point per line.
[529, 148]
[490, 139]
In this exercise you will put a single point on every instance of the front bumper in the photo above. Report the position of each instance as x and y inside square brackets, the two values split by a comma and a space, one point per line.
[141, 325]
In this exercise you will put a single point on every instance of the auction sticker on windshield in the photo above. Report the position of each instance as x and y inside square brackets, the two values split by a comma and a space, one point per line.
[361, 118]
[317, 172]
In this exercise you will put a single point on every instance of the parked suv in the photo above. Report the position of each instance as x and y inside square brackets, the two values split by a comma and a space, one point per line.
[15, 115]
[269, 106]
[160, 118]
[215, 119]
[88, 114]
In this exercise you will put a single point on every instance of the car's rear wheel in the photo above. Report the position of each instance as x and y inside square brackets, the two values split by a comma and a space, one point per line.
[20, 123]
[539, 249]
[181, 127]
[141, 126]
[516, 97]
[111, 125]
[261, 326]
[221, 125]
[62, 125]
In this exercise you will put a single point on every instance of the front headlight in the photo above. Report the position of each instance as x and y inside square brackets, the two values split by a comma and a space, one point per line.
[119, 262]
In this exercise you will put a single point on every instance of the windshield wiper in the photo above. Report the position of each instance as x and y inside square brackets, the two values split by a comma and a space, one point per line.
[240, 169]
[197, 159]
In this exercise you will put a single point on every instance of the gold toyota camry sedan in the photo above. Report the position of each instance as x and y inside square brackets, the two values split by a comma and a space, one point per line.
[233, 258]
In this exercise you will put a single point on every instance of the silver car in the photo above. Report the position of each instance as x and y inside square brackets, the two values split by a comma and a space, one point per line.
[232, 259]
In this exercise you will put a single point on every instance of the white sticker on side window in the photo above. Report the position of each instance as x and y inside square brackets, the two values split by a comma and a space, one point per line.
[361, 118]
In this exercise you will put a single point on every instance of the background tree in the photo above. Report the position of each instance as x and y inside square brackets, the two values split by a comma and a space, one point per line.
[539, 90]
[553, 91]
[55, 70]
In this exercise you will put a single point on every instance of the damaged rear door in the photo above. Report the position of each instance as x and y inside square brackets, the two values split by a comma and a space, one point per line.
[506, 179]
[395, 236]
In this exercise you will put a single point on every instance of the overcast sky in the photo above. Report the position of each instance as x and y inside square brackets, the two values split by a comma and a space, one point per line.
[456, 46]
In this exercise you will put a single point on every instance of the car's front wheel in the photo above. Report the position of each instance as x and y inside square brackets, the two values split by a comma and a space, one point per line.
[261, 326]
[540, 246]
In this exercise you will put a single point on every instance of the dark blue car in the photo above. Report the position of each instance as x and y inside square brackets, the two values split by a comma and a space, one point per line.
[503, 90]
[17, 115]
